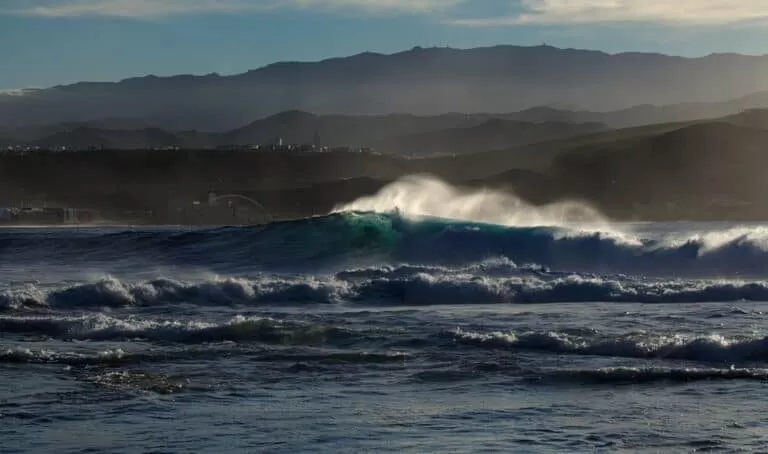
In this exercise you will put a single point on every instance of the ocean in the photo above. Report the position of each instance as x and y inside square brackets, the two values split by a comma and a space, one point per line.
[378, 331]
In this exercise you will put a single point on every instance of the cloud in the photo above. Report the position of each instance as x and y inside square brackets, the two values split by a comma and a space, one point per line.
[669, 12]
[138, 9]
[541, 12]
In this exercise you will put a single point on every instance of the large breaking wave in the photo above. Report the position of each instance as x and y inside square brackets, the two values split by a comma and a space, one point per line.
[421, 242]
[352, 239]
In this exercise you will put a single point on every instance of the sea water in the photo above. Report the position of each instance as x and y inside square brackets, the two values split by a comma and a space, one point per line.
[376, 332]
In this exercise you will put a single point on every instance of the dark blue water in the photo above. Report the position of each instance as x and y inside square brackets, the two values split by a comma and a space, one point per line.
[371, 333]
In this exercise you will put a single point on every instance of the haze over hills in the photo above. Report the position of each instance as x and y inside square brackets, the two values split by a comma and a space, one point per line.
[408, 135]
[497, 133]
[704, 170]
[647, 114]
[420, 81]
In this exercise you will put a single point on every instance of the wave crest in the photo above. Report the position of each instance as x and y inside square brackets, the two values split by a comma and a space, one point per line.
[714, 348]
[420, 195]
[487, 283]
[102, 327]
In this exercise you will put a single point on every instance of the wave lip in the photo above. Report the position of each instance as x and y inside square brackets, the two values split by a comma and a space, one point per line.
[417, 196]
[710, 349]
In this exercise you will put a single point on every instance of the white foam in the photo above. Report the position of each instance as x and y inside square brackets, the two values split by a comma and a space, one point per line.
[711, 348]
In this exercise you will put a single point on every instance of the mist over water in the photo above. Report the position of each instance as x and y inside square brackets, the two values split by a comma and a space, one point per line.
[420, 195]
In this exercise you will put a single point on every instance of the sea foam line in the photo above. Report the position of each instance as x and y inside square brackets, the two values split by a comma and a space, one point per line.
[416, 286]
[714, 348]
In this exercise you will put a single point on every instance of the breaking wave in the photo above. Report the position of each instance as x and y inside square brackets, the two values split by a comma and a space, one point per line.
[350, 239]
[419, 196]
[340, 344]
[714, 348]
[492, 282]
[101, 327]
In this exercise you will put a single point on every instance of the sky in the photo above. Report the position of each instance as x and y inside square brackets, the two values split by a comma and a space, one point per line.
[49, 42]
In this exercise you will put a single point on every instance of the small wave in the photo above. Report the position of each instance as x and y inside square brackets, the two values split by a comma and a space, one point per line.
[46, 356]
[349, 357]
[715, 348]
[118, 357]
[638, 375]
[142, 381]
[113, 292]
[102, 327]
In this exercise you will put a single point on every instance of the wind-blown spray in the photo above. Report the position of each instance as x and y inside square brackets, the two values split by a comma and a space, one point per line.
[421, 195]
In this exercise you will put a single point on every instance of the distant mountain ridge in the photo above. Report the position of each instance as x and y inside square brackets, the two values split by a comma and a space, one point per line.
[419, 81]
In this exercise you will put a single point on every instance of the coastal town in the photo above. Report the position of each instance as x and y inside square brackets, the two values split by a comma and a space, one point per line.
[213, 209]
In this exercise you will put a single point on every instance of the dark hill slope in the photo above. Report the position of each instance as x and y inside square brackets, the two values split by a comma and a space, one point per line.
[707, 170]
[299, 127]
[490, 135]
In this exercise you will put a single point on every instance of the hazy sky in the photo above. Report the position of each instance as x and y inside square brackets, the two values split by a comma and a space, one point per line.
[47, 42]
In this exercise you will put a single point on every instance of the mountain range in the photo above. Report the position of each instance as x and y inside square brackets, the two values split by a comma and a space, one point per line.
[618, 90]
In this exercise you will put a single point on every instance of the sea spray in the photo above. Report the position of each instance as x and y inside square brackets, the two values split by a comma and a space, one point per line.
[419, 195]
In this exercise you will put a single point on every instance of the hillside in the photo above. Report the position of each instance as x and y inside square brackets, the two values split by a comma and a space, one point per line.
[646, 114]
[490, 135]
[419, 81]
[709, 171]
[755, 118]
[299, 127]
